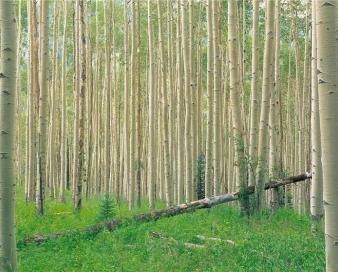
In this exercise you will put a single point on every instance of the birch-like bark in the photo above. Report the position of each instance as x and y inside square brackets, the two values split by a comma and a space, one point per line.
[107, 94]
[268, 82]
[274, 157]
[235, 87]
[254, 103]
[51, 158]
[208, 161]
[82, 107]
[18, 161]
[126, 98]
[327, 69]
[316, 200]
[63, 178]
[180, 112]
[193, 111]
[151, 109]
[43, 100]
[167, 163]
[217, 97]
[7, 126]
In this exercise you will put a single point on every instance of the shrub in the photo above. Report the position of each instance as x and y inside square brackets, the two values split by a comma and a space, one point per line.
[107, 208]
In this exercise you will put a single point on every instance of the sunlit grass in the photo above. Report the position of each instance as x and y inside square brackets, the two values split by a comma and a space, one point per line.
[282, 242]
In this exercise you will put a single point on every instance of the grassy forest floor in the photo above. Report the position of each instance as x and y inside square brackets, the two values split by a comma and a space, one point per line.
[283, 242]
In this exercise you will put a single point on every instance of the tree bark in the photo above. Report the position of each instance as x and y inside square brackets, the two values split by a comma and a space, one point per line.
[209, 130]
[63, 178]
[316, 200]
[268, 80]
[327, 50]
[254, 104]
[7, 135]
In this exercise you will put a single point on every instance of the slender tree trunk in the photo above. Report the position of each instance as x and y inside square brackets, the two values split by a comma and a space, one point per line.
[316, 166]
[126, 98]
[51, 159]
[63, 179]
[180, 112]
[268, 82]
[274, 163]
[43, 100]
[164, 129]
[327, 69]
[107, 99]
[82, 101]
[208, 167]
[172, 100]
[152, 135]
[138, 105]
[117, 148]
[235, 88]
[193, 111]
[217, 101]
[7, 125]
[33, 103]
[254, 104]
[18, 162]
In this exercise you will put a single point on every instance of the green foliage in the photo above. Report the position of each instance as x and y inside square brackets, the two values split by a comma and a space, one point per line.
[200, 176]
[108, 209]
[281, 242]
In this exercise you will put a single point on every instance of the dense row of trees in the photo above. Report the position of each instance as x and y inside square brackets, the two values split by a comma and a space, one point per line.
[134, 98]
[138, 91]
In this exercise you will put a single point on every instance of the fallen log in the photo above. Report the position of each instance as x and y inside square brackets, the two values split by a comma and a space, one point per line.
[293, 179]
[215, 239]
[166, 212]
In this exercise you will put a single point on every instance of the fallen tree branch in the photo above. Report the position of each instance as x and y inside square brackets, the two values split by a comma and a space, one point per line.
[214, 239]
[166, 212]
[193, 246]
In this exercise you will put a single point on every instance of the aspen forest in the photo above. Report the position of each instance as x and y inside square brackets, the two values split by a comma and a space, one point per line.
[169, 135]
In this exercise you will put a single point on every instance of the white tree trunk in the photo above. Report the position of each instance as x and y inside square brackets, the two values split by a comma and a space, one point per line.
[327, 49]
[7, 113]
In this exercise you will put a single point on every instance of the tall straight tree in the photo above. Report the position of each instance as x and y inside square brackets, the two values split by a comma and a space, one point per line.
[43, 100]
[32, 102]
[217, 100]
[164, 129]
[51, 161]
[138, 104]
[18, 160]
[254, 104]
[316, 200]
[63, 177]
[132, 139]
[107, 95]
[193, 111]
[235, 88]
[126, 120]
[82, 95]
[274, 157]
[268, 85]
[151, 111]
[327, 69]
[180, 111]
[208, 167]
[7, 114]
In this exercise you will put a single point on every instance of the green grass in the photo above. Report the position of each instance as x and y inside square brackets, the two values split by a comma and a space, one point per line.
[283, 242]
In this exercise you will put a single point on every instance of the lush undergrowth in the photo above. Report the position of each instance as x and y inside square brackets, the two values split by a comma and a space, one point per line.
[282, 242]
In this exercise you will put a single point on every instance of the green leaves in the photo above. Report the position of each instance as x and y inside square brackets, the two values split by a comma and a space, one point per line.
[107, 208]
